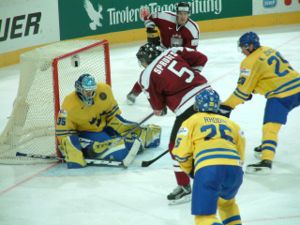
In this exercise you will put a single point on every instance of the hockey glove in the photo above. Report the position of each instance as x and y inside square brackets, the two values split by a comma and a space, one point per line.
[249, 97]
[153, 36]
[225, 110]
[144, 13]
[131, 98]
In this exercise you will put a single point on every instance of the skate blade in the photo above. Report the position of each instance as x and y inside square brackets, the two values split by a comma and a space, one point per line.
[184, 199]
[258, 170]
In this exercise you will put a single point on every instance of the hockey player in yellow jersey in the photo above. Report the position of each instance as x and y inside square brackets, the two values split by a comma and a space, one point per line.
[90, 125]
[210, 148]
[266, 72]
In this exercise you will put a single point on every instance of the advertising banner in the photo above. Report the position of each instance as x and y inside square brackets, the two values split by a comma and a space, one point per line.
[26, 23]
[275, 6]
[92, 17]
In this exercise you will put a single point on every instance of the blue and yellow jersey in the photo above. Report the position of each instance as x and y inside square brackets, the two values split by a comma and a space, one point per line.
[266, 72]
[207, 139]
[76, 116]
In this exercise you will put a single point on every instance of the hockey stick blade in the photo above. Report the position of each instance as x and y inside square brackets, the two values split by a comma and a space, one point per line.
[148, 163]
[132, 153]
[100, 162]
[38, 156]
[90, 162]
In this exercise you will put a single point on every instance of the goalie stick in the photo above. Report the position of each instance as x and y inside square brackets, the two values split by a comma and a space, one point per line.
[90, 162]
[149, 162]
[138, 124]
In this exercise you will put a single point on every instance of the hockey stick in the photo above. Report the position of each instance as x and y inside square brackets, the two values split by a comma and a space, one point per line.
[138, 125]
[149, 162]
[90, 162]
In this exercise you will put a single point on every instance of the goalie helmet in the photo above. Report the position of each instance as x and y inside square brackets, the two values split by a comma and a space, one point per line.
[148, 52]
[207, 100]
[183, 7]
[249, 38]
[85, 88]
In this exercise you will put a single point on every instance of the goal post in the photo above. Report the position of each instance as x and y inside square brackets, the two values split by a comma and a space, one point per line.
[47, 75]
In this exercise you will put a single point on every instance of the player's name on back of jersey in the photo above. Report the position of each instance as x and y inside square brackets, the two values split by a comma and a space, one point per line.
[213, 120]
[164, 62]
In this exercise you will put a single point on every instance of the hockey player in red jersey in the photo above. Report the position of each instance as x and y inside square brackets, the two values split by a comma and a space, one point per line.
[171, 80]
[176, 30]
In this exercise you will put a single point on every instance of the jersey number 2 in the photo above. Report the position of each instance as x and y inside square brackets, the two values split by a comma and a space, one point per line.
[278, 60]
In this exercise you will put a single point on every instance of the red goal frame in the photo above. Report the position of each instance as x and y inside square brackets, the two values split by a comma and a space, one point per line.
[55, 61]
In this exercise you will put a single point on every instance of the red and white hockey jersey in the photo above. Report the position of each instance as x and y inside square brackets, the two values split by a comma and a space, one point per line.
[170, 30]
[172, 79]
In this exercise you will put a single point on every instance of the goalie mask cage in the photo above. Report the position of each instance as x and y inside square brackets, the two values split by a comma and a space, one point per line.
[47, 75]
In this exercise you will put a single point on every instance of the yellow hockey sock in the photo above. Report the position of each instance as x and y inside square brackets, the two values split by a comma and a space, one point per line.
[269, 141]
[229, 211]
[207, 220]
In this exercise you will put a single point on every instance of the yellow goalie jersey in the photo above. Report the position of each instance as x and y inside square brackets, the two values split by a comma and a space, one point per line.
[265, 72]
[75, 116]
[207, 139]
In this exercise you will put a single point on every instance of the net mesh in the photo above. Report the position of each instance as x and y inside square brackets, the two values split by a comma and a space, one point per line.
[31, 126]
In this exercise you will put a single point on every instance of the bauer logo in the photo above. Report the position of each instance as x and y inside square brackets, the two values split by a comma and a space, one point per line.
[95, 14]
[20, 26]
[269, 3]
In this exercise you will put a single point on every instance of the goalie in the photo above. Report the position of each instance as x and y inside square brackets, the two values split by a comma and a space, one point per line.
[90, 125]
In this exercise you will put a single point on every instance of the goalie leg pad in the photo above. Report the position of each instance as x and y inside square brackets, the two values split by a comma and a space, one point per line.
[71, 149]
[115, 149]
[150, 136]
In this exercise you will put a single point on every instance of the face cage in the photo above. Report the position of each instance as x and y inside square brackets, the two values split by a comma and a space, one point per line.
[87, 99]
[240, 46]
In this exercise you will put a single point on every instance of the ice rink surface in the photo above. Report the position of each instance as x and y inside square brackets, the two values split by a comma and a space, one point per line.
[50, 194]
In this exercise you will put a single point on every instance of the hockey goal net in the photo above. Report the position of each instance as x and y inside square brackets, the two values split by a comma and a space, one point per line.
[47, 75]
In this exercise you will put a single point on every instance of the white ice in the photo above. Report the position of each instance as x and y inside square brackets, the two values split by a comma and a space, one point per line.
[53, 195]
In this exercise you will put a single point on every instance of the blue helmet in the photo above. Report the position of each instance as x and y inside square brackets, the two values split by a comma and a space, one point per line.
[249, 38]
[85, 88]
[207, 100]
